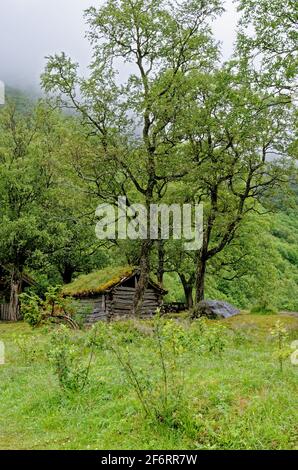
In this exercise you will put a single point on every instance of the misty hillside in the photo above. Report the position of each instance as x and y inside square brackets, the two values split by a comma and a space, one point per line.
[23, 99]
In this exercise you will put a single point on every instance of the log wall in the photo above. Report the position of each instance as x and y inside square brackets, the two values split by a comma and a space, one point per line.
[123, 297]
[119, 303]
[96, 308]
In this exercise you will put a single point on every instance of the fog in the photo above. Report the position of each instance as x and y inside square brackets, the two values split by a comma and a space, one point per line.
[32, 29]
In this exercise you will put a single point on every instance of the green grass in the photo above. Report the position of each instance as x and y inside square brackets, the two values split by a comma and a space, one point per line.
[98, 281]
[236, 400]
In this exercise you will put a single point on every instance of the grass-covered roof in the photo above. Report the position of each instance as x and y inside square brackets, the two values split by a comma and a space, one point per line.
[98, 281]
[101, 281]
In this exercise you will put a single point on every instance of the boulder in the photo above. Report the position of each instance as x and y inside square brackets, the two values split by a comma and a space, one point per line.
[215, 309]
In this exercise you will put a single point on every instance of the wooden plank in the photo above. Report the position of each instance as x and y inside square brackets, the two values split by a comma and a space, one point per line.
[121, 295]
[131, 301]
[123, 301]
[124, 289]
[131, 289]
[129, 310]
[129, 306]
[120, 307]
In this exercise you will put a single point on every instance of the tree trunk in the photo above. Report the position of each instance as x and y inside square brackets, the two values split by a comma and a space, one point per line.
[200, 279]
[15, 289]
[188, 296]
[67, 274]
[188, 288]
[144, 277]
[161, 262]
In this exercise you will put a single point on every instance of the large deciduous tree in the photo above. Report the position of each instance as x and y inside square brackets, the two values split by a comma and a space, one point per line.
[27, 176]
[156, 44]
[238, 138]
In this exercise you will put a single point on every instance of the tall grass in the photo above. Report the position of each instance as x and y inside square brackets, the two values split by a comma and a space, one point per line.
[212, 385]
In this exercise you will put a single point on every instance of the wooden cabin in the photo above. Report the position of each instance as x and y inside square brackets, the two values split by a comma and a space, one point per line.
[110, 293]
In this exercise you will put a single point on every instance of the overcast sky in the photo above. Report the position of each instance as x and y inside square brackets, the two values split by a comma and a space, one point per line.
[33, 29]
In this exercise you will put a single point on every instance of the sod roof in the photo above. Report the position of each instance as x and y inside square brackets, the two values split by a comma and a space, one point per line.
[101, 281]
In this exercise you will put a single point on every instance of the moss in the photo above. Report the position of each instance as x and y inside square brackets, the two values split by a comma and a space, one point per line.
[98, 281]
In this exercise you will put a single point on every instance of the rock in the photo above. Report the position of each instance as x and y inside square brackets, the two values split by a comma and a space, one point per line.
[215, 309]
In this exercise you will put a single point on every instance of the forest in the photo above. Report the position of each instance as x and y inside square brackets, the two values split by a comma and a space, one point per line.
[177, 126]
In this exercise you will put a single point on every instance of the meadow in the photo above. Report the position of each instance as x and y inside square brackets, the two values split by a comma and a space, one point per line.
[150, 384]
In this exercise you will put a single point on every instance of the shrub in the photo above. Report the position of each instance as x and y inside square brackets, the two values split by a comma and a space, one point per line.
[263, 308]
[280, 335]
[160, 394]
[27, 346]
[66, 360]
[31, 308]
[209, 338]
[54, 308]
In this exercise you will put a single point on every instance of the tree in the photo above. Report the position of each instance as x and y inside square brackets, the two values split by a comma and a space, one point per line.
[74, 248]
[238, 138]
[27, 177]
[183, 263]
[268, 40]
[159, 43]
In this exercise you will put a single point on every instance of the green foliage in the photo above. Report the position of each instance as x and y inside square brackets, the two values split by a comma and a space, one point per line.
[31, 308]
[259, 271]
[209, 338]
[280, 334]
[236, 400]
[175, 290]
[54, 307]
[182, 128]
[207, 135]
[98, 281]
[160, 398]
[23, 99]
[263, 308]
[162, 395]
[269, 31]
[26, 173]
[27, 347]
[65, 357]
